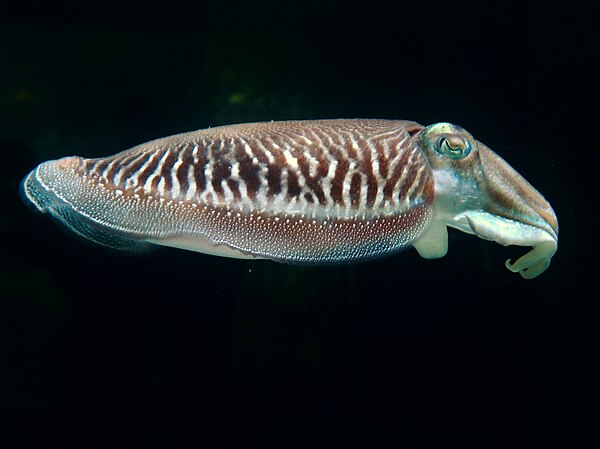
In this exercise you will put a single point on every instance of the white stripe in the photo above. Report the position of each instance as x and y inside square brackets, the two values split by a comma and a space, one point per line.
[227, 194]
[362, 204]
[161, 186]
[247, 203]
[261, 193]
[313, 165]
[209, 192]
[347, 183]
[280, 202]
[405, 171]
[235, 170]
[414, 185]
[289, 159]
[175, 186]
[190, 194]
[326, 182]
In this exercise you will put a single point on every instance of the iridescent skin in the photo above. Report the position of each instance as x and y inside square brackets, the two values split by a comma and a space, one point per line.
[477, 192]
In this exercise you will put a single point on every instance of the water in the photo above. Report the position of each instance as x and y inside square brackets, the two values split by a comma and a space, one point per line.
[167, 347]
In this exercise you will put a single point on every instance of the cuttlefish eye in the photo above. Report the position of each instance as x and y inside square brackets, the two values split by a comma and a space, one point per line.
[446, 140]
[454, 147]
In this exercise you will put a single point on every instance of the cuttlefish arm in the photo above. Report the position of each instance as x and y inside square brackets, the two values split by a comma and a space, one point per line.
[479, 193]
[507, 232]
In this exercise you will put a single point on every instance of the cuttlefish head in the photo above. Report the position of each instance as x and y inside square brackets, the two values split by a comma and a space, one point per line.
[477, 192]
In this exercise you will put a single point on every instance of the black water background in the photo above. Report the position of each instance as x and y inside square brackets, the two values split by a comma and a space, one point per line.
[175, 349]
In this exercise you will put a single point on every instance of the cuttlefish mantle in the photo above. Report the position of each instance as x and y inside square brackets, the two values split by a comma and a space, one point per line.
[322, 191]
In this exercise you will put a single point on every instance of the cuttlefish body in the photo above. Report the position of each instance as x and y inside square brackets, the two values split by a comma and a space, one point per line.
[302, 192]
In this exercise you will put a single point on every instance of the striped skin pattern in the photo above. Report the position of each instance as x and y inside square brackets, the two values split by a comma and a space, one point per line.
[303, 192]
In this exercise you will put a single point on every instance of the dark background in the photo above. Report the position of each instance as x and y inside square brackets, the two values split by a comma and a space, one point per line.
[178, 349]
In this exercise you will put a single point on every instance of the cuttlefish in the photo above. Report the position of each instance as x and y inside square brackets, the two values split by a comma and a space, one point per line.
[307, 192]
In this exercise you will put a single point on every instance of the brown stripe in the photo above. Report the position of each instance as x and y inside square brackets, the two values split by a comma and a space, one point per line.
[199, 168]
[154, 184]
[366, 166]
[167, 169]
[293, 189]
[355, 190]
[220, 172]
[313, 182]
[248, 171]
[101, 165]
[351, 151]
[337, 183]
[273, 180]
[274, 169]
[235, 189]
[182, 172]
[426, 188]
[88, 165]
[322, 170]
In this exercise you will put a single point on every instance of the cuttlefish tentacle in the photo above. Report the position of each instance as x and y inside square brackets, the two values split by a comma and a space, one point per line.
[508, 232]
[534, 262]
